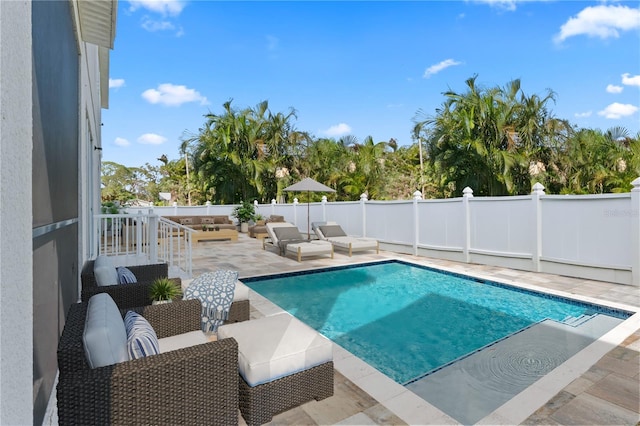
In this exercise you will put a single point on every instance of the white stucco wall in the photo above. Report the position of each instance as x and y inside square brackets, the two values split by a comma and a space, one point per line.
[16, 277]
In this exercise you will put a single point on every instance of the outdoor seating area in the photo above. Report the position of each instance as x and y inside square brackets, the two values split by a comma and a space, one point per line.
[169, 357]
[137, 293]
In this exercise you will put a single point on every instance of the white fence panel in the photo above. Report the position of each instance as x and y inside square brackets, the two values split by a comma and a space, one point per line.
[502, 225]
[347, 214]
[391, 221]
[587, 229]
[441, 224]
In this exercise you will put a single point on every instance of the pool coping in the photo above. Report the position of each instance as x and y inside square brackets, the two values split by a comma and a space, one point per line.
[413, 409]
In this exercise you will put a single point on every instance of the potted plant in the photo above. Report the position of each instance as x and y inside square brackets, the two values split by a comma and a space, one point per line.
[244, 213]
[164, 290]
[259, 219]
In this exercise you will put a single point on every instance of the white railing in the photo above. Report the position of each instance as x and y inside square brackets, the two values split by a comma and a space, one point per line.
[588, 236]
[140, 238]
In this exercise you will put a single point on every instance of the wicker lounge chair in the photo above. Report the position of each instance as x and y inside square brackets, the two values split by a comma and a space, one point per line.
[287, 238]
[192, 385]
[133, 295]
[334, 233]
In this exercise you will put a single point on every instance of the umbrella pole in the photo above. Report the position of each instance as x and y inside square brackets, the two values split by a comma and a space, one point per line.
[308, 219]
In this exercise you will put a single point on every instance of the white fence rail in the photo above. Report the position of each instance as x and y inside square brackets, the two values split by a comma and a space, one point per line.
[588, 236]
[139, 238]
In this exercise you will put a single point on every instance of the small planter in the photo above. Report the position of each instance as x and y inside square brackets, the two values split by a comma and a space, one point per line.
[164, 290]
[244, 227]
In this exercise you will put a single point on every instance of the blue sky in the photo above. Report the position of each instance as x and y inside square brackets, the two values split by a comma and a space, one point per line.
[359, 68]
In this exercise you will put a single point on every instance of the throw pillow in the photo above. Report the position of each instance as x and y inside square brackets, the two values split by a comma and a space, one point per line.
[186, 221]
[219, 220]
[141, 337]
[125, 276]
[287, 233]
[104, 271]
[332, 231]
[207, 220]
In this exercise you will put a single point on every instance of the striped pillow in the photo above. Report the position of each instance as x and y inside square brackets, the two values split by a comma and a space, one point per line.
[141, 337]
[125, 276]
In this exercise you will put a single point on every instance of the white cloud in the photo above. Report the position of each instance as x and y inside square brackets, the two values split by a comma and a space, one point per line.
[616, 111]
[163, 7]
[151, 139]
[116, 83]
[583, 114]
[603, 21]
[434, 69]
[631, 80]
[338, 130]
[612, 88]
[502, 4]
[173, 95]
[152, 25]
[121, 142]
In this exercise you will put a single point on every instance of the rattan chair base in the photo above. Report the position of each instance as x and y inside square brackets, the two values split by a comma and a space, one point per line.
[238, 312]
[260, 403]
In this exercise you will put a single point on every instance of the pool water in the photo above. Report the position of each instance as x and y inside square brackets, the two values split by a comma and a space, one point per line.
[407, 320]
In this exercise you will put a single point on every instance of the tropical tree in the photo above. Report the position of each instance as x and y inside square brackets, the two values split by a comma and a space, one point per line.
[486, 138]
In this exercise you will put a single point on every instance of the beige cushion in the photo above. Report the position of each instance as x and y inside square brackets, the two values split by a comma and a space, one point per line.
[310, 248]
[241, 292]
[276, 346]
[179, 341]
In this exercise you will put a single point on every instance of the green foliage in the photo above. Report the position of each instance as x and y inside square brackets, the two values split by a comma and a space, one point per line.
[164, 289]
[244, 212]
[496, 140]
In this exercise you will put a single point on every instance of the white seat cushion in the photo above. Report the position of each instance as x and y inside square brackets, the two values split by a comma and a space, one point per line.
[276, 346]
[179, 341]
[310, 248]
[104, 271]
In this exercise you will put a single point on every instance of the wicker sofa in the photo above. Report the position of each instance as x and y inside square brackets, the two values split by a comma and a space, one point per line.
[196, 222]
[193, 385]
[133, 295]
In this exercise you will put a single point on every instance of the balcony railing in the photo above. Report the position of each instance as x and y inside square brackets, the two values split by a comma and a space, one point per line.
[135, 239]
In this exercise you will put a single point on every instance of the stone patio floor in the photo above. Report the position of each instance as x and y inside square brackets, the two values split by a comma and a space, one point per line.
[598, 386]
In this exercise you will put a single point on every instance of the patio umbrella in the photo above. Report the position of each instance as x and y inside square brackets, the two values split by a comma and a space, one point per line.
[309, 185]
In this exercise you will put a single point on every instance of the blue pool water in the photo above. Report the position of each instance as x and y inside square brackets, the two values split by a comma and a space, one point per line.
[408, 320]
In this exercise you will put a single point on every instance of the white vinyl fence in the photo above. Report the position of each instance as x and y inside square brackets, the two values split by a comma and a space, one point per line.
[589, 236]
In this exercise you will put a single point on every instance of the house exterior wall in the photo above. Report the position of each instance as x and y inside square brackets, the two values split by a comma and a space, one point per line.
[50, 113]
[16, 324]
[55, 200]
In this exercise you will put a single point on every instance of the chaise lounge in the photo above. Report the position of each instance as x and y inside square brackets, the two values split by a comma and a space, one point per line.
[333, 233]
[288, 240]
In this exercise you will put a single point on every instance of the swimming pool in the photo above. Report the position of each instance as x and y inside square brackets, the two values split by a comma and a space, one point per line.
[408, 320]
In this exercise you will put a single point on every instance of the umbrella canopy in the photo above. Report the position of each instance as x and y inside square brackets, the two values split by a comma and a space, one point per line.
[309, 185]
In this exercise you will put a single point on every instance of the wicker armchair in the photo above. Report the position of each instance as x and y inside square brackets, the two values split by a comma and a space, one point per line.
[125, 295]
[193, 385]
[132, 295]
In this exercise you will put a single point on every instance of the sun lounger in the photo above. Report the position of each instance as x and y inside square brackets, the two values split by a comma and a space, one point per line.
[333, 233]
[287, 238]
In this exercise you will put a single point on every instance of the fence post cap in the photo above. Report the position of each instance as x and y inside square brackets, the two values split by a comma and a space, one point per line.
[208, 203]
[364, 196]
[273, 201]
[538, 188]
[417, 195]
[467, 192]
[636, 184]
